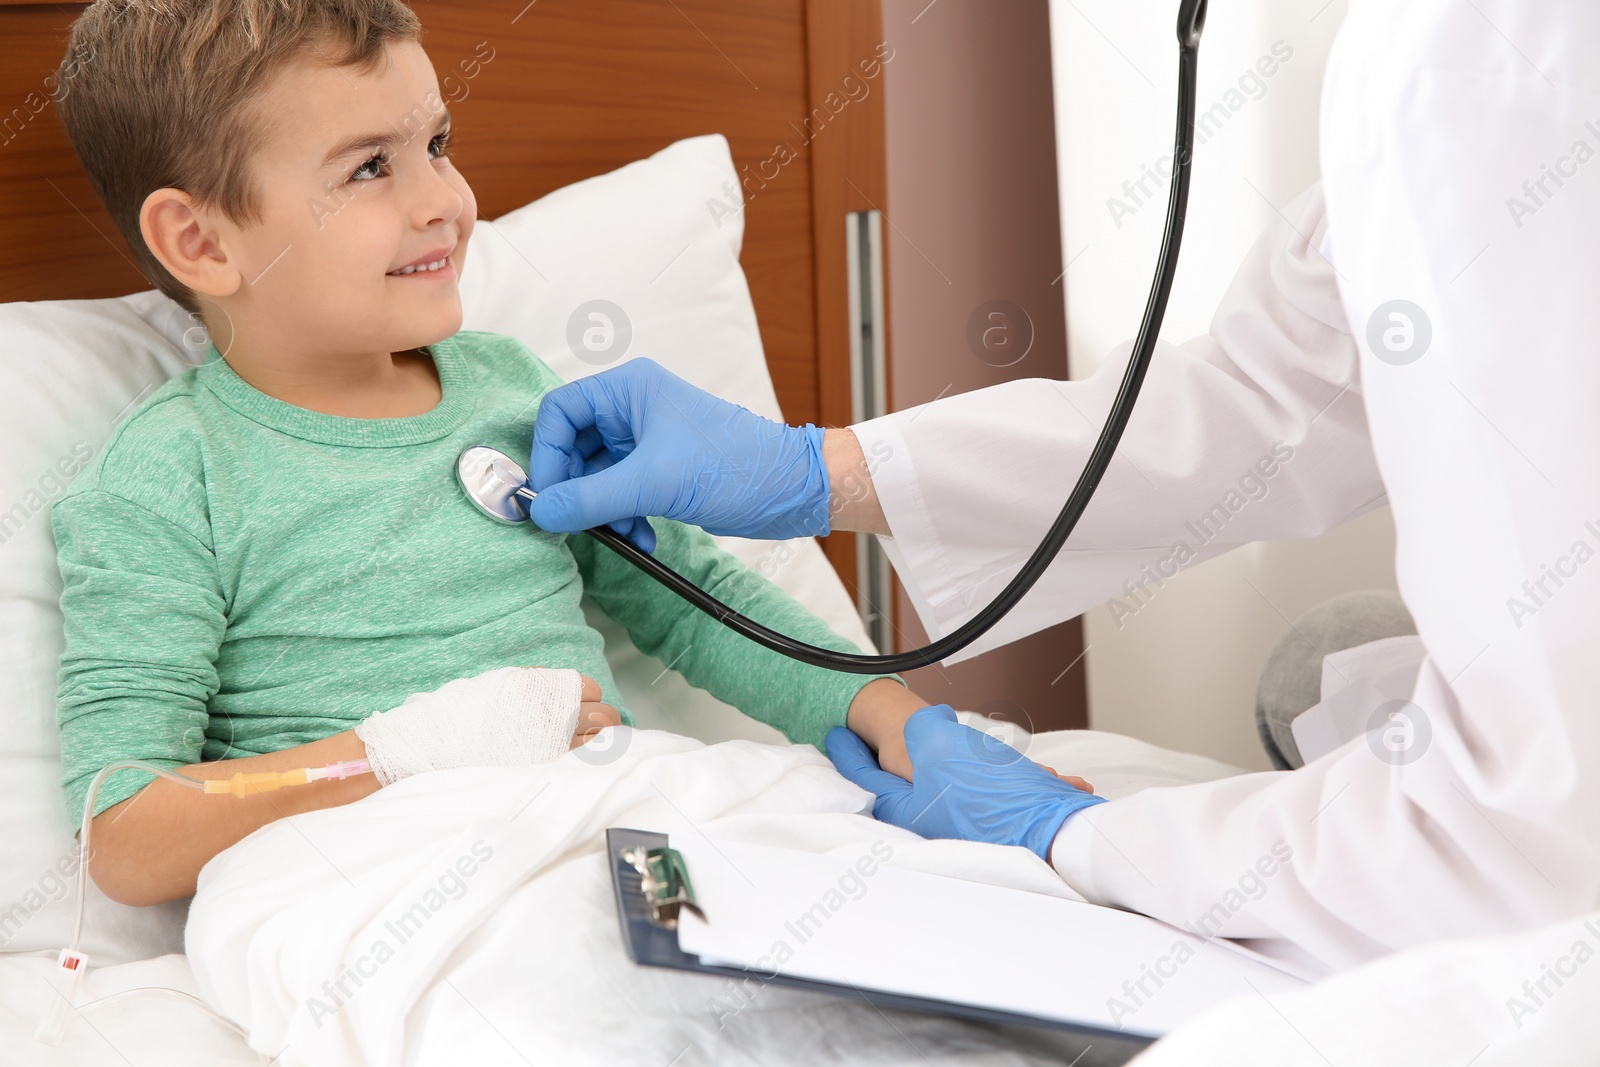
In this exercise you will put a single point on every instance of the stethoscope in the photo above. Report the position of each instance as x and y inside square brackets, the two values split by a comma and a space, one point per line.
[498, 487]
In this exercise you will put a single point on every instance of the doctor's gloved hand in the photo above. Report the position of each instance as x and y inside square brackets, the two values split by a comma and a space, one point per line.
[967, 785]
[637, 440]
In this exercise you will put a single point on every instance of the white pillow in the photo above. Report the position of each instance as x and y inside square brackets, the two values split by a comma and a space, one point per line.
[70, 369]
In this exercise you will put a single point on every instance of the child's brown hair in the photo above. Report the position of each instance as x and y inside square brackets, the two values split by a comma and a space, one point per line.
[164, 97]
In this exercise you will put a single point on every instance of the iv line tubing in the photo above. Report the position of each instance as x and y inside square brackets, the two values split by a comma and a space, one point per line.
[1191, 21]
[242, 785]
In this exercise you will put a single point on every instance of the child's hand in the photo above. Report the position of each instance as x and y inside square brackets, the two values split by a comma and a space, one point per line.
[878, 715]
[505, 717]
[593, 716]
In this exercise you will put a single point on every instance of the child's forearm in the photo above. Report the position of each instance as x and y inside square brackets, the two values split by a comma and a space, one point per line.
[149, 848]
[879, 713]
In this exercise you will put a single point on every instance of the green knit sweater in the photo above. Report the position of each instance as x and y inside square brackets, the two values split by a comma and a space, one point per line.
[241, 575]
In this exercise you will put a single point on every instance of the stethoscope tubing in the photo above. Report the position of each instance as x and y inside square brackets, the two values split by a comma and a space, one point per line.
[1191, 20]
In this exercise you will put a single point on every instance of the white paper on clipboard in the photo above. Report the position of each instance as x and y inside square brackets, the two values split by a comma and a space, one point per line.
[825, 917]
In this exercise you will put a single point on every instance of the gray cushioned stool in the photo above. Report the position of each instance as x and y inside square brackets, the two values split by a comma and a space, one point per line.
[1291, 679]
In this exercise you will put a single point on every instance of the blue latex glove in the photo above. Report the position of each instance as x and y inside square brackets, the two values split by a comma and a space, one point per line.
[638, 440]
[968, 785]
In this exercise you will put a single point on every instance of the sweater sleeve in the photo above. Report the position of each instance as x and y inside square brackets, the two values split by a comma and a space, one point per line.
[144, 617]
[802, 701]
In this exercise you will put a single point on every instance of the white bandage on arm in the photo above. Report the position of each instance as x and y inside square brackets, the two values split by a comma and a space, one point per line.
[507, 717]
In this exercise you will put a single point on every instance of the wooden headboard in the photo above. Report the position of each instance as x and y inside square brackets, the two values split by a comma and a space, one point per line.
[573, 88]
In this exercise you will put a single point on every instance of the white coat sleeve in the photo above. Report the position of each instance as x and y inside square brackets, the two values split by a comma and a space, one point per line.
[1477, 810]
[1506, 1000]
[1253, 431]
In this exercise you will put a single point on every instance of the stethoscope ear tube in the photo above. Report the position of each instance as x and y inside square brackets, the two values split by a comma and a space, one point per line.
[1191, 20]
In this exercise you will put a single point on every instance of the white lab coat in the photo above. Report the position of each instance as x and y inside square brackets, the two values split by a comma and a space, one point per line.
[1487, 449]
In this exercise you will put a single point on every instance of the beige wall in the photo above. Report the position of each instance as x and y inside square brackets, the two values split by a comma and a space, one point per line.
[972, 217]
[1182, 672]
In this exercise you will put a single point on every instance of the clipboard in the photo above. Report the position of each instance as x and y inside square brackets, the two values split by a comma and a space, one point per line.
[652, 884]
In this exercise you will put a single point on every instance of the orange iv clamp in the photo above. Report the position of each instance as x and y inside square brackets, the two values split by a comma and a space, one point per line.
[244, 784]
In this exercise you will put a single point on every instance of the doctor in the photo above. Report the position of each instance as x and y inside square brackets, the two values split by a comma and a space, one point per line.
[1421, 329]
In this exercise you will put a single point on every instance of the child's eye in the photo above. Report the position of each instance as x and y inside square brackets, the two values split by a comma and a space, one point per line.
[378, 159]
[439, 145]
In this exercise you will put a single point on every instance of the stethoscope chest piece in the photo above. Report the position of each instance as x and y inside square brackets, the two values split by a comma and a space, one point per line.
[494, 483]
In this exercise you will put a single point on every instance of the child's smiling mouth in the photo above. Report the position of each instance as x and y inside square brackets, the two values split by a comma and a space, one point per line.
[436, 262]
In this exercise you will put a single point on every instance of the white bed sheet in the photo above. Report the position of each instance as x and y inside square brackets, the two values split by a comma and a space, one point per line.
[112, 1024]
[164, 1028]
[1399, 1010]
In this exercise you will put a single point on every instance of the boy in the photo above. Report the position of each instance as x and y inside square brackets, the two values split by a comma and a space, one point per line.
[272, 548]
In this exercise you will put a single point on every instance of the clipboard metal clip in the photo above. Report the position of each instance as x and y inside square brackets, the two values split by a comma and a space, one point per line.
[664, 881]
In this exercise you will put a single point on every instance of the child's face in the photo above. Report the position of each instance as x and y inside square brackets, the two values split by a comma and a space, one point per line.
[317, 273]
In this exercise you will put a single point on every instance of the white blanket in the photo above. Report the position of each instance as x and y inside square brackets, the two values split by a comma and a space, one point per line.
[466, 917]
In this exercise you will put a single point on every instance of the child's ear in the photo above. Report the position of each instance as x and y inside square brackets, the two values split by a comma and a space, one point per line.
[185, 238]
